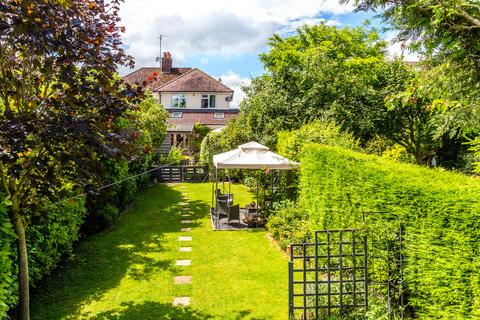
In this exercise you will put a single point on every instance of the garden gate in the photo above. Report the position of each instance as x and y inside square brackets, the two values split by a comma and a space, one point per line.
[342, 272]
[183, 173]
[329, 276]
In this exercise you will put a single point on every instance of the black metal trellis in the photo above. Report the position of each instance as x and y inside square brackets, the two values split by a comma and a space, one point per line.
[328, 277]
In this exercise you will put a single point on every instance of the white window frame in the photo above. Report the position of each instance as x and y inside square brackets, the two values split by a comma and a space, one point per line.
[219, 115]
[208, 97]
[177, 98]
[176, 115]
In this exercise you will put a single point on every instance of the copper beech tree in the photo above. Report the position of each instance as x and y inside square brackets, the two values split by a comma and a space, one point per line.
[59, 101]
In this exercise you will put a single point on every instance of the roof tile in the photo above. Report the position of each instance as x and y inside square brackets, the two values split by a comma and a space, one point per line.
[194, 81]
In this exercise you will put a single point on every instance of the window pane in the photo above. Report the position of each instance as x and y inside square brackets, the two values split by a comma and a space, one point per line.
[204, 103]
[179, 101]
[212, 101]
[183, 101]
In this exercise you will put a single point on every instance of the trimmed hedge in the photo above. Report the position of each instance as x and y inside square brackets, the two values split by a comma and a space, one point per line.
[52, 231]
[439, 210]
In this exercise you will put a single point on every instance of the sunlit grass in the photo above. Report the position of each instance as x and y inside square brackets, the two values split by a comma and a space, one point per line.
[127, 271]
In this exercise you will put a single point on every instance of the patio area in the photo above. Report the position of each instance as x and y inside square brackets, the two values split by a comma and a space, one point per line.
[221, 222]
[225, 215]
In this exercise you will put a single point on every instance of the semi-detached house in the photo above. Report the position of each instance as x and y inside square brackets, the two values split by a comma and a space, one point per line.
[190, 96]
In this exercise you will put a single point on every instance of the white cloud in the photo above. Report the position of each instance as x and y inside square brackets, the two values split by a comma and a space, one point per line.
[397, 49]
[214, 26]
[235, 82]
[294, 24]
[204, 61]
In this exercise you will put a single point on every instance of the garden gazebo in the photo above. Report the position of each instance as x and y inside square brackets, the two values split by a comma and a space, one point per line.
[251, 155]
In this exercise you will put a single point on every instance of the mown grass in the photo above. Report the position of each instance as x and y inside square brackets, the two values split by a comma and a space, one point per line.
[127, 271]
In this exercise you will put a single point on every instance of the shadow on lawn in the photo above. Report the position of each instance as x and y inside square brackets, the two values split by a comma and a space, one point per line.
[103, 260]
[154, 310]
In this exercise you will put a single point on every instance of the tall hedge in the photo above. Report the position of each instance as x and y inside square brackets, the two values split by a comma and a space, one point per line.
[439, 211]
[52, 231]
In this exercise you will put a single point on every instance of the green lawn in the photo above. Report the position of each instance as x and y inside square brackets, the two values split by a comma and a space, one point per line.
[127, 271]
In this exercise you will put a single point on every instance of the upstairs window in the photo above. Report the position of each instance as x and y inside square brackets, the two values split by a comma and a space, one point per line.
[179, 100]
[208, 101]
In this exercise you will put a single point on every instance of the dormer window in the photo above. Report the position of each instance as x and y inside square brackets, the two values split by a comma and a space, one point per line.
[179, 100]
[208, 101]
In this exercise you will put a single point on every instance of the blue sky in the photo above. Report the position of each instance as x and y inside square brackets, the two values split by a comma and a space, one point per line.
[224, 38]
[248, 64]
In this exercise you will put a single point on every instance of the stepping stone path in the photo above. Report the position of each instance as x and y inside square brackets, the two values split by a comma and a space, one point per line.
[183, 263]
[181, 301]
[183, 279]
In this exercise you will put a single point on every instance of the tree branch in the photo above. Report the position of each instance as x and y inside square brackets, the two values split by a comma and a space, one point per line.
[4, 179]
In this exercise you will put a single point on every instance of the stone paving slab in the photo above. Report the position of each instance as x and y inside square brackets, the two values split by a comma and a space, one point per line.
[185, 238]
[181, 301]
[186, 221]
[183, 280]
[186, 229]
[185, 249]
[183, 263]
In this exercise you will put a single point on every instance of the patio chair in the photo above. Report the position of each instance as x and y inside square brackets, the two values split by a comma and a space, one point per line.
[233, 213]
[222, 206]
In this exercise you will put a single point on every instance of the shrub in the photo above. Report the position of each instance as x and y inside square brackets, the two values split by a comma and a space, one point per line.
[8, 285]
[439, 211]
[53, 229]
[289, 224]
[290, 144]
[211, 145]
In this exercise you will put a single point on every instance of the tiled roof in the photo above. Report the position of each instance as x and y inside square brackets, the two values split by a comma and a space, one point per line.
[203, 117]
[154, 77]
[195, 80]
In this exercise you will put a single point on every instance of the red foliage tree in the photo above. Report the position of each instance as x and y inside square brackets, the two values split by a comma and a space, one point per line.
[59, 100]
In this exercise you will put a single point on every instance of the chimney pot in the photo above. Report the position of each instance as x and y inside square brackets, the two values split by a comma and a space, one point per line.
[166, 62]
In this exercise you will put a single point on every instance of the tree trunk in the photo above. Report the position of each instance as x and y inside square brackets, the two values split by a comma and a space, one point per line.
[24, 303]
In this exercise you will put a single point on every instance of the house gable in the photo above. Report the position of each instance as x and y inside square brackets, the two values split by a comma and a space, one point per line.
[194, 80]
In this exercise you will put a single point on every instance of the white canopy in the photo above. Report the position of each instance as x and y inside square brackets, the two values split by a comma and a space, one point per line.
[252, 155]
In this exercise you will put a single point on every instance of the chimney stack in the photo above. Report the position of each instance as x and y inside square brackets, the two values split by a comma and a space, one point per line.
[166, 62]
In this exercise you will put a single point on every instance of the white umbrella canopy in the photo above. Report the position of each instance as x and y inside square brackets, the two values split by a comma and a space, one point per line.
[252, 155]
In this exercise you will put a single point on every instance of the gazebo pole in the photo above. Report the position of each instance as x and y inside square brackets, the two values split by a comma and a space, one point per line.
[216, 188]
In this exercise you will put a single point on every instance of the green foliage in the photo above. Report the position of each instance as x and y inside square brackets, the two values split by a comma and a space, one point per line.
[321, 72]
[475, 147]
[441, 29]
[53, 229]
[175, 157]
[398, 153]
[410, 116]
[211, 145]
[199, 133]
[8, 284]
[148, 123]
[446, 34]
[439, 211]
[288, 223]
[290, 144]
